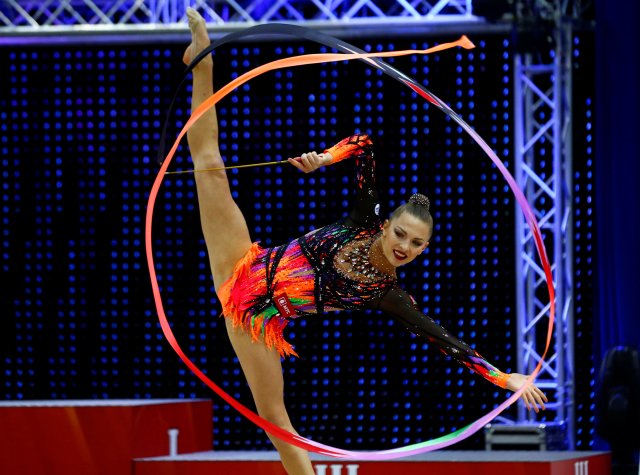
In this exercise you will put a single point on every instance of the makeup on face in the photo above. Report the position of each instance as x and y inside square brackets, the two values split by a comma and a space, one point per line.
[404, 239]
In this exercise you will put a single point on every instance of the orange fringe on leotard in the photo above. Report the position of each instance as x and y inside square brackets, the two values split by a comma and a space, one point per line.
[242, 269]
[233, 296]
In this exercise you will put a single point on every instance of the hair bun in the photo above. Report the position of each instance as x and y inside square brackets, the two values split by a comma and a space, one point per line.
[419, 199]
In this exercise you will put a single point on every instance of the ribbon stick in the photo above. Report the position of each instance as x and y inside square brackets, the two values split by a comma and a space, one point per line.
[349, 53]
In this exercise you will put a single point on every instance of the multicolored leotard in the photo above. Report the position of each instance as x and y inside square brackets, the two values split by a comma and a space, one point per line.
[329, 269]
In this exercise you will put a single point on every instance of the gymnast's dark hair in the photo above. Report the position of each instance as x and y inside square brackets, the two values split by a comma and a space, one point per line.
[418, 206]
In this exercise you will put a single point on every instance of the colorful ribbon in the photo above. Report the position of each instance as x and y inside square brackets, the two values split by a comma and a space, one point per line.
[349, 52]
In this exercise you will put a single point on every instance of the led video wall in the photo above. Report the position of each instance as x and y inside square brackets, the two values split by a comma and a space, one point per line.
[80, 130]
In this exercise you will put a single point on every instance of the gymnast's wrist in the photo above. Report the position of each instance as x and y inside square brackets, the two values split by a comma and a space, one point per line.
[503, 380]
[337, 154]
[328, 158]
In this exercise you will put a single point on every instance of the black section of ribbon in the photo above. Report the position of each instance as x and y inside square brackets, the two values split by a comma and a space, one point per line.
[299, 32]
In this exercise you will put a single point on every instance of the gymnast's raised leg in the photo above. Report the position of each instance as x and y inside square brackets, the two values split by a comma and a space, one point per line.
[227, 239]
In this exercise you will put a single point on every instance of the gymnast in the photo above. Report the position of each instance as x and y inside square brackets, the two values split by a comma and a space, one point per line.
[350, 264]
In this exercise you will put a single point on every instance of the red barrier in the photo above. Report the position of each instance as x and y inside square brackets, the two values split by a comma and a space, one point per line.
[437, 463]
[97, 437]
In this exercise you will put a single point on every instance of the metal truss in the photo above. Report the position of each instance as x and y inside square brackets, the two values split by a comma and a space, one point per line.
[543, 169]
[100, 16]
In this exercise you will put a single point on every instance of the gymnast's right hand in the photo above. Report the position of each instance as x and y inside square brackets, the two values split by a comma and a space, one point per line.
[308, 162]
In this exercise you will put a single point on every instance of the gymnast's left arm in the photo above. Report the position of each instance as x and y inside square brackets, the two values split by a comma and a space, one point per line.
[400, 305]
[533, 397]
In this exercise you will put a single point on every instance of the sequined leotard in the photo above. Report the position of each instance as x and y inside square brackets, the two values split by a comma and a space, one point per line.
[329, 269]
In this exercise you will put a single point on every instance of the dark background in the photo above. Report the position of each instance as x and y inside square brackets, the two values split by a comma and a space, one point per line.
[80, 127]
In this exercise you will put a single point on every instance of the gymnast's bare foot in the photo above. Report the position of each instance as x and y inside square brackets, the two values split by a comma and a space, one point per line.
[199, 39]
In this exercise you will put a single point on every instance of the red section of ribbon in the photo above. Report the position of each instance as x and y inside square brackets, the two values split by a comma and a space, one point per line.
[422, 93]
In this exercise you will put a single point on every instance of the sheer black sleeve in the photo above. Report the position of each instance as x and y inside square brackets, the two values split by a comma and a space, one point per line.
[366, 207]
[401, 306]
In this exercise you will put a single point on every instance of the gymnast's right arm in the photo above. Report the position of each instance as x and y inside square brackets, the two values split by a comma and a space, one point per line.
[358, 147]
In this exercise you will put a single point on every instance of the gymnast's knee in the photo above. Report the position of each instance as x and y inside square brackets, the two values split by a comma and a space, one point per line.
[277, 415]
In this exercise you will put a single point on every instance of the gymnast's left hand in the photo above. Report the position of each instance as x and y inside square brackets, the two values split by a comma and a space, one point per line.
[308, 162]
[533, 397]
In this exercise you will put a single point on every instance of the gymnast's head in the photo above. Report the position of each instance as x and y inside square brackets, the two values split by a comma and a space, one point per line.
[407, 231]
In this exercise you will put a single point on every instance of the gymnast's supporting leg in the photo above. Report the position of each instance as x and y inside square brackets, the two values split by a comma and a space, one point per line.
[263, 371]
[227, 239]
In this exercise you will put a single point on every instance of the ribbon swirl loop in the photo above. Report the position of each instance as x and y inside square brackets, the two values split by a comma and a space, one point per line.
[348, 52]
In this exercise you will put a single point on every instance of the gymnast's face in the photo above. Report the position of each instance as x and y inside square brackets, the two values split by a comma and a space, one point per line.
[404, 238]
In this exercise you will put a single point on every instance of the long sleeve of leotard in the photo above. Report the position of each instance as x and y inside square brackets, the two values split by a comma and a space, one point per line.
[366, 205]
[399, 304]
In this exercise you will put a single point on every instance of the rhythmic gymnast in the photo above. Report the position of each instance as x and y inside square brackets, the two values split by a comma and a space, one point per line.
[350, 264]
